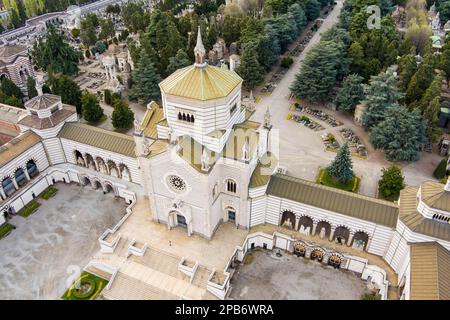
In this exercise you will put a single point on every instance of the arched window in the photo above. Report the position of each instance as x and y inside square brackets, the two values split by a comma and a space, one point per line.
[231, 186]
[184, 117]
[32, 169]
[180, 117]
[8, 186]
[79, 158]
[192, 119]
[20, 177]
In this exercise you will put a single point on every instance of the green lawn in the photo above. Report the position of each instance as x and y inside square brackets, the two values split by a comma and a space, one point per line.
[325, 179]
[5, 229]
[29, 209]
[92, 284]
[48, 193]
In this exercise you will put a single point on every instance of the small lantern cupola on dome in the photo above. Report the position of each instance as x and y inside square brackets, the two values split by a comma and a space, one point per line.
[199, 51]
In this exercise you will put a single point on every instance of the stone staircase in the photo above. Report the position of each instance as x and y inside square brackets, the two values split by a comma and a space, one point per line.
[125, 287]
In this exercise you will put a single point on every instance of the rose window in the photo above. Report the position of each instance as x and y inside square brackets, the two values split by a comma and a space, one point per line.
[176, 183]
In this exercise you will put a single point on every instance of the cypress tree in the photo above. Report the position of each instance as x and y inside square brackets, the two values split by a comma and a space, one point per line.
[145, 79]
[249, 69]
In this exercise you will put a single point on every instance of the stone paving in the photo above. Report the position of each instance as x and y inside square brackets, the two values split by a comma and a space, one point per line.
[46, 248]
[292, 278]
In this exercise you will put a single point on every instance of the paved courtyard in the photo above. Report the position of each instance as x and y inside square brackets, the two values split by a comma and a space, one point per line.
[291, 278]
[35, 257]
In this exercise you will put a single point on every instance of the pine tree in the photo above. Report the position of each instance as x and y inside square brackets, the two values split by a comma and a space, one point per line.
[249, 68]
[351, 93]
[68, 90]
[407, 68]
[391, 182]
[31, 87]
[400, 135]
[122, 116]
[318, 73]
[381, 93]
[421, 80]
[180, 60]
[431, 117]
[342, 167]
[146, 79]
[92, 112]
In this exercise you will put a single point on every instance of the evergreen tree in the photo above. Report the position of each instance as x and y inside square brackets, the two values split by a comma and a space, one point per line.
[92, 112]
[122, 116]
[68, 90]
[31, 87]
[312, 9]
[444, 62]
[381, 93]
[342, 167]
[391, 182]
[401, 134]
[107, 97]
[10, 89]
[318, 73]
[180, 60]
[421, 80]
[407, 68]
[88, 32]
[107, 29]
[249, 68]
[351, 93]
[54, 52]
[146, 80]
[441, 169]
[431, 117]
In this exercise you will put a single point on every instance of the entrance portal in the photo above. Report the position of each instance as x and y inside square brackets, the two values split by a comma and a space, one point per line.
[231, 215]
[181, 221]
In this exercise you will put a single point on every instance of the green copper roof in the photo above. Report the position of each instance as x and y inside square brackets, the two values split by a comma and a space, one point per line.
[99, 138]
[335, 200]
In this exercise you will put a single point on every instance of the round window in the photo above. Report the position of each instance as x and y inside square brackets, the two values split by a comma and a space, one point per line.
[176, 183]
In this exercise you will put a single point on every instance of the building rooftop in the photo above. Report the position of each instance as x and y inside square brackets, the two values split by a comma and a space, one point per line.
[416, 221]
[335, 200]
[201, 83]
[430, 277]
[33, 121]
[263, 171]
[434, 195]
[17, 146]
[11, 50]
[99, 138]
[152, 116]
[42, 102]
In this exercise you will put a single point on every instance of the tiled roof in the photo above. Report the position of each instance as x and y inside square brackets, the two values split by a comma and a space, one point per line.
[434, 195]
[263, 171]
[152, 116]
[201, 83]
[417, 222]
[99, 138]
[430, 272]
[335, 200]
[33, 121]
[42, 102]
[11, 50]
[17, 146]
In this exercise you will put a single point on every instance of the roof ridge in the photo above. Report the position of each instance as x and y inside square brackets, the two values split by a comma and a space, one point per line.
[321, 186]
[84, 125]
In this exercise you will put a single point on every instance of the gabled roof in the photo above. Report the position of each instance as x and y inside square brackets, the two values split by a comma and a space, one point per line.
[17, 146]
[152, 116]
[430, 272]
[335, 200]
[201, 83]
[99, 138]
[264, 170]
[11, 50]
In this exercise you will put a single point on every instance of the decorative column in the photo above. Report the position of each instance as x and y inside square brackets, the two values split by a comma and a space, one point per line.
[313, 232]
[350, 239]
[368, 244]
[16, 185]
[26, 174]
[85, 161]
[96, 165]
[297, 220]
[332, 233]
[2, 193]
